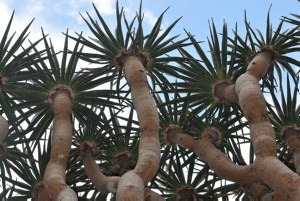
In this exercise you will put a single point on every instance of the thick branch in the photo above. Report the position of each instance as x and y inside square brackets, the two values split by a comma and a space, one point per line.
[217, 160]
[252, 102]
[55, 176]
[149, 147]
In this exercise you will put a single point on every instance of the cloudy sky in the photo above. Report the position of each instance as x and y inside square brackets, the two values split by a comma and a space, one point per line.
[56, 16]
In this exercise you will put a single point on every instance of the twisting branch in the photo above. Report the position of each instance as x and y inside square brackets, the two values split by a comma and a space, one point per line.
[206, 150]
[253, 105]
[267, 166]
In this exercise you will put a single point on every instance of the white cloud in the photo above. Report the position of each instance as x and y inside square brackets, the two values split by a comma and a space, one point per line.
[34, 8]
[56, 16]
[105, 7]
[5, 16]
[19, 22]
[150, 18]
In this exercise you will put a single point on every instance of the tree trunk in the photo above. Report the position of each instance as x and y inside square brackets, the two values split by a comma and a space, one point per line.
[55, 176]
[149, 147]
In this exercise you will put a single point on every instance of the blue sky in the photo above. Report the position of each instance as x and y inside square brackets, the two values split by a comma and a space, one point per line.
[55, 16]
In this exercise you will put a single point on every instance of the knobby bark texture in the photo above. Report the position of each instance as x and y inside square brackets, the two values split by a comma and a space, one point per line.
[131, 185]
[55, 176]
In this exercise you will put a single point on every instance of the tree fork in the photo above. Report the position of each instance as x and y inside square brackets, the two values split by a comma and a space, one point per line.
[278, 177]
[223, 91]
[105, 184]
